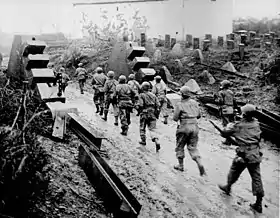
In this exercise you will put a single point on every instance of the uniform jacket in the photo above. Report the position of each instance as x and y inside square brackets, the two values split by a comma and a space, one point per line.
[134, 85]
[159, 89]
[187, 111]
[248, 135]
[124, 95]
[148, 103]
[226, 100]
[81, 72]
[110, 86]
[99, 80]
[65, 78]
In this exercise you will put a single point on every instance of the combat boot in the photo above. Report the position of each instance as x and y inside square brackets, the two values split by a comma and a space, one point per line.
[142, 142]
[157, 145]
[165, 120]
[101, 111]
[124, 131]
[105, 116]
[258, 205]
[97, 109]
[116, 121]
[200, 167]
[180, 166]
[225, 188]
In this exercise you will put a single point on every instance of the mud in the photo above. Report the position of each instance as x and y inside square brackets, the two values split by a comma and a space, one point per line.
[164, 192]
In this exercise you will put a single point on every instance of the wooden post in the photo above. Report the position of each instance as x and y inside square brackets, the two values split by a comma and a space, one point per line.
[243, 39]
[167, 41]
[206, 44]
[257, 43]
[209, 37]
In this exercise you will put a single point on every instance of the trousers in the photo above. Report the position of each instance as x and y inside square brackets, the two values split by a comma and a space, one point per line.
[238, 167]
[150, 123]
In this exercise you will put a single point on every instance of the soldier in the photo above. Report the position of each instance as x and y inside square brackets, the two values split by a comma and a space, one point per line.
[227, 103]
[98, 83]
[148, 105]
[110, 89]
[125, 98]
[248, 155]
[187, 112]
[51, 66]
[159, 89]
[82, 76]
[64, 78]
[135, 86]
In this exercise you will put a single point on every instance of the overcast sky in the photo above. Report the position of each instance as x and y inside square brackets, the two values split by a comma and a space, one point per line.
[32, 15]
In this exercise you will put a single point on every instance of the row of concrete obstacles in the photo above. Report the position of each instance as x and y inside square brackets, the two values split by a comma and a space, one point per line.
[117, 197]
[232, 40]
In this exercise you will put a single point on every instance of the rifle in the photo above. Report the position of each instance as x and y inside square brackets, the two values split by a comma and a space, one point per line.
[232, 140]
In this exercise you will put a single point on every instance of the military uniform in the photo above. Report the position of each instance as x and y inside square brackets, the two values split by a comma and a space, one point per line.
[136, 88]
[65, 80]
[226, 101]
[159, 89]
[247, 134]
[110, 89]
[98, 83]
[248, 155]
[187, 111]
[148, 105]
[82, 76]
[125, 98]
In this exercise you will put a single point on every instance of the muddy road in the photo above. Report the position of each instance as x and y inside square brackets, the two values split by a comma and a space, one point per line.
[165, 192]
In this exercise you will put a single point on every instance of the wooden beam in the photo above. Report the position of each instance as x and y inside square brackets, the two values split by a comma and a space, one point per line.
[115, 2]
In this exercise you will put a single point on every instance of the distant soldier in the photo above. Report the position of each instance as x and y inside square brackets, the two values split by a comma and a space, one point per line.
[110, 89]
[135, 86]
[248, 155]
[82, 76]
[187, 111]
[64, 78]
[225, 99]
[125, 98]
[159, 89]
[51, 66]
[98, 83]
[148, 105]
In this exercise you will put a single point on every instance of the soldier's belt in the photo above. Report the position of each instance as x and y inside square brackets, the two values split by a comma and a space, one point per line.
[188, 121]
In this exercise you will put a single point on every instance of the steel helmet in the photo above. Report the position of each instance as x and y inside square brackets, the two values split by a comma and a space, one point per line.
[80, 64]
[225, 83]
[111, 74]
[158, 77]
[122, 79]
[99, 70]
[185, 91]
[62, 69]
[131, 76]
[50, 65]
[145, 86]
[248, 109]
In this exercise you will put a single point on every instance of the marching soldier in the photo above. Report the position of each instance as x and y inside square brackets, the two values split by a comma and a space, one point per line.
[82, 76]
[227, 103]
[148, 105]
[110, 89]
[51, 66]
[135, 86]
[187, 112]
[159, 89]
[64, 78]
[98, 83]
[248, 155]
[125, 98]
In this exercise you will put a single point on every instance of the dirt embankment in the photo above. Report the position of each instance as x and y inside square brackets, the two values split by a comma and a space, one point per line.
[164, 192]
